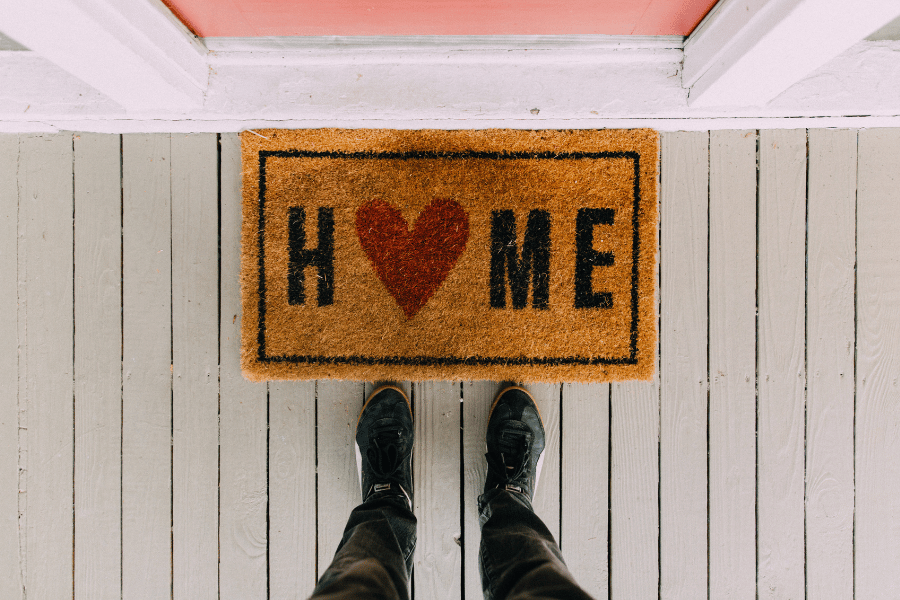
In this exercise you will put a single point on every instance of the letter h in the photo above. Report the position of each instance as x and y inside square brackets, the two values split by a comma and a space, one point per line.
[322, 257]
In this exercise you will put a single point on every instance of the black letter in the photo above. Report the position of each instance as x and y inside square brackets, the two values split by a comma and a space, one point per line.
[586, 258]
[322, 257]
[534, 265]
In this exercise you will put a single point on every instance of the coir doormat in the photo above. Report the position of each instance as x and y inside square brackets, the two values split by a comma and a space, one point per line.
[406, 255]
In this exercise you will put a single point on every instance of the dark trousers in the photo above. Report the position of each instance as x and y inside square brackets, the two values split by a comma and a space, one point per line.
[518, 558]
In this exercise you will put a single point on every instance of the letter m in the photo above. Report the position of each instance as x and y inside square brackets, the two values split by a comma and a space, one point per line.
[532, 266]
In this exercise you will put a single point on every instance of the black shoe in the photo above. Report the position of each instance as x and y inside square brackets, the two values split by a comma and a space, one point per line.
[384, 443]
[515, 443]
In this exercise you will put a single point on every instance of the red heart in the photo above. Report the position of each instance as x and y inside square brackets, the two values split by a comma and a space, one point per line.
[412, 265]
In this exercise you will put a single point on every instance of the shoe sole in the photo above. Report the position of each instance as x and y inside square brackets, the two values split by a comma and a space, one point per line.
[537, 475]
[359, 418]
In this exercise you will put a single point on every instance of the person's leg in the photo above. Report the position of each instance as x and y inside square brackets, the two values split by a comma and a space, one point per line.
[519, 559]
[374, 557]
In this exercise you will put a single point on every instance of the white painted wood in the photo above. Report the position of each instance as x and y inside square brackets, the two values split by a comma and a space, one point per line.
[147, 367]
[98, 365]
[546, 495]
[877, 551]
[831, 347]
[684, 381]
[732, 365]
[130, 51]
[337, 406]
[634, 490]
[890, 31]
[11, 575]
[477, 399]
[45, 211]
[242, 526]
[33, 85]
[749, 51]
[242, 417]
[781, 360]
[603, 88]
[436, 478]
[195, 359]
[7, 44]
[136, 53]
[292, 489]
[584, 531]
[22, 395]
[252, 48]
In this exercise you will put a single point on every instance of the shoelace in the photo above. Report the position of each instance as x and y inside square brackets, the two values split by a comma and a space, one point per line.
[515, 455]
[384, 454]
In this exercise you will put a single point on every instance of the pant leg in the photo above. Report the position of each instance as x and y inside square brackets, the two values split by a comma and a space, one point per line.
[374, 558]
[519, 558]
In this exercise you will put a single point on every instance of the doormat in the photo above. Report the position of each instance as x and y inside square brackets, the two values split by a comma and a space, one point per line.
[456, 255]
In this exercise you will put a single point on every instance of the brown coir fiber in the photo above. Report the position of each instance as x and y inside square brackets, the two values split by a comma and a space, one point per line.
[409, 255]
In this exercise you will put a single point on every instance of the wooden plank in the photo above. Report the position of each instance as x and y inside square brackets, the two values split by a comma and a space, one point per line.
[477, 399]
[781, 363]
[292, 489]
[22, 340]
[634, 490]
[684, 388]
[436, 478]
[98, 365]
[195, 356]
[878, 363]
[242, 414]
[147, 367]
[584, 531]
[11, 582]
[45, 210]
[831, 344]
[732, 365]
[546, 496]
[337, 406]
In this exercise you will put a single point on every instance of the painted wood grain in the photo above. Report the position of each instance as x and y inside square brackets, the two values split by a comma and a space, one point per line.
[546, 495]
[147, 367]
[584, 531]
[195, 360]
[732, 365]
[877, 534]
[46, 201]
[292, 489]
[337, 410]
[98, 365]
[22, 408]
[684, 381]
[11, 581]
[781, 363]
[830, 345]
[634, 490]
[242, 415]
[477, 399]
[436, 478]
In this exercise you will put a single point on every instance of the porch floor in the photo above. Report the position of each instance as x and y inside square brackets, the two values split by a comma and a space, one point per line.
[136, 462]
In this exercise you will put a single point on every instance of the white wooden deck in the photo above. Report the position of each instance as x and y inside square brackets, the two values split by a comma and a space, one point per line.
[136, 462]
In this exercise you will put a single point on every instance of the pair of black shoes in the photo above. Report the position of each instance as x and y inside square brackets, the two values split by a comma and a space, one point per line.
[384, 444]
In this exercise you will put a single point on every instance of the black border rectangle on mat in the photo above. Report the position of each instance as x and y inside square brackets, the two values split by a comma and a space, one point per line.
[439, 360]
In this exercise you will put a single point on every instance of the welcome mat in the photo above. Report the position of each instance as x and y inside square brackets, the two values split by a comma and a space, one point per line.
[408, 255]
